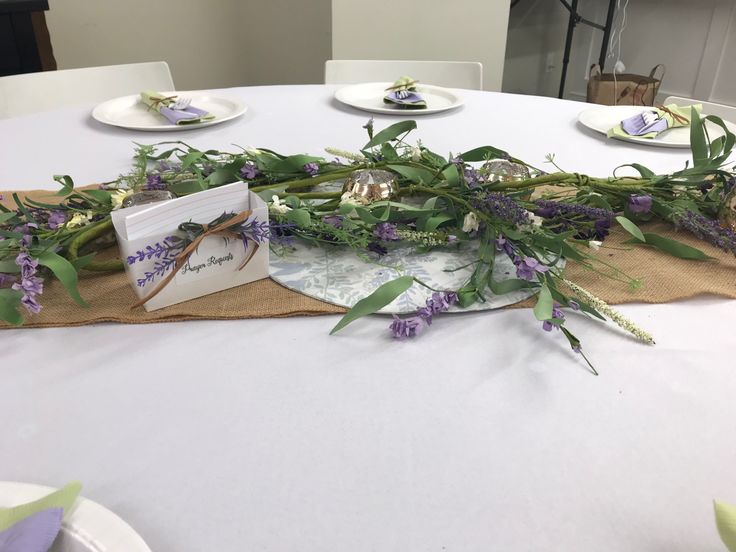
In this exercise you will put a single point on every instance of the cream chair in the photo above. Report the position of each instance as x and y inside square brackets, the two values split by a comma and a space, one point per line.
[34, 92]
[451, 74]
[725, 112]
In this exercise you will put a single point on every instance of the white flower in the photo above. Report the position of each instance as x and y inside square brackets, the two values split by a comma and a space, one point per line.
[278, 206]
[348, 198]
[416, 154]
[79, 219]
[470, 223]
[250, 150]
[595, 245]
[536, 219]
[117, 198]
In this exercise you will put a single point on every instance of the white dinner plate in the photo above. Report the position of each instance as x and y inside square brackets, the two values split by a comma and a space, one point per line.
[89, 527]
[602, 118]
[369, 97]
[129, 112]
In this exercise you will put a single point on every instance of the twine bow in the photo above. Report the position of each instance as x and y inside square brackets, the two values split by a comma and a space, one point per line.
[156, 102]
[676, 116]
[224, 228]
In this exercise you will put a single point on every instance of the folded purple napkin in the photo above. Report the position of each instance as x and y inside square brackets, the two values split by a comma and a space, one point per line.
[36, 533]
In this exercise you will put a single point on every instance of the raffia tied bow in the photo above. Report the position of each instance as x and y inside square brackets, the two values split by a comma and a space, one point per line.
[222, 229]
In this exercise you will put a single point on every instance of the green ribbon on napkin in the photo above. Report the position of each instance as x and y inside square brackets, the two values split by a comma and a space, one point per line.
[659, 119]
[171, 107]
[726, 523]
[63, 498]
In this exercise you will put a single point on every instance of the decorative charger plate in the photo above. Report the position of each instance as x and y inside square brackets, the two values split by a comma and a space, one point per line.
[88, 528]
[338, 276]
[369, 97]
[603, 118]
[129, 112]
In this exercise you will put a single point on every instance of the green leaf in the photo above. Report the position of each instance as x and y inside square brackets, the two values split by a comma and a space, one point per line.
[9, 303]
[294, 163]
[415, 174]
[5, 217]
[543, 308]
[726, 523]
[186, 187]
[697, 139]
[507, 286]
[391, 133]
[631, 228]
[8, 266]
[190, 158]
[432, 223]
[375, 301]
[67, 184]
[673, 247]
[641, 169]
[100, 196]
[452, 175]
[267, 195]
[64, 271]
[300, 217]
[482, 153]
[389, 153]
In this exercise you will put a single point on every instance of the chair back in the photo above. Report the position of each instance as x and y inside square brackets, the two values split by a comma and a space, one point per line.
[34, 92]
[725, 112]
[450, 74]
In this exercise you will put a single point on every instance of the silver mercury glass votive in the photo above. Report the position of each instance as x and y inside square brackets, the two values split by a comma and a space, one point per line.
[147, 196]
[504, 171]
[371, 184]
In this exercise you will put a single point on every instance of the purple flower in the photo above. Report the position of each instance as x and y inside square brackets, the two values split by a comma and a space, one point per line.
[574, 305]
[249, 171]
[386, 231]
[312, 169]
[377, 248]
[154, 182]
[30, 303]
[528, 268]
[502, 207]
[401, 328]
[709, 230]
[472, 177]
[414, 325]
[640, 204]
[56, 219]
[27, 264]
[33, 285]
[502, 244]
[557, 314]
[30, 284]
[333, 220]
[457, 161]
[369, 126]
[451, 238]
[6, 280]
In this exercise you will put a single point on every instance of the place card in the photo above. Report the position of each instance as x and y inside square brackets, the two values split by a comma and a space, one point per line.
[151, 245]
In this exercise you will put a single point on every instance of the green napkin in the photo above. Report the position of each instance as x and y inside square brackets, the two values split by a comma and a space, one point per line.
[63, 498]
[726, 523]
[175, 108]
[651, 122]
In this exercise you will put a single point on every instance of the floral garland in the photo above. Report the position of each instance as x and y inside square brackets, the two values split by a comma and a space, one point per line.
[436, 202]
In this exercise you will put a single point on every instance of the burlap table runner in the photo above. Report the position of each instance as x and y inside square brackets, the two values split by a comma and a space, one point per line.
[664, 279]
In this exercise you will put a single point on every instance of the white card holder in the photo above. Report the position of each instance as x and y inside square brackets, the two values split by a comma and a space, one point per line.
[142, 233]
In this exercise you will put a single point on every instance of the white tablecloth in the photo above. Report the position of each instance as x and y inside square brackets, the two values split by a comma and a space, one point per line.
[484, 434]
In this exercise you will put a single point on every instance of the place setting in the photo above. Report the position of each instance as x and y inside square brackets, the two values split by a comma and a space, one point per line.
[168, 111]
[666, 126]
[37, 518]
[404, 96]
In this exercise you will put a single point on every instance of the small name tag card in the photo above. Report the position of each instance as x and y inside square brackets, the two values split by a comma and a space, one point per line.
[225, 246]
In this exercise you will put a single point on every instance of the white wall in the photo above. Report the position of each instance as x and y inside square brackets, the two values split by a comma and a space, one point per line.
[695, 39]
[441, 30]
[207, 43]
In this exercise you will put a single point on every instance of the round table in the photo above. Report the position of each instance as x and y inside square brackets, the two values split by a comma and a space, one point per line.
[484, 434]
